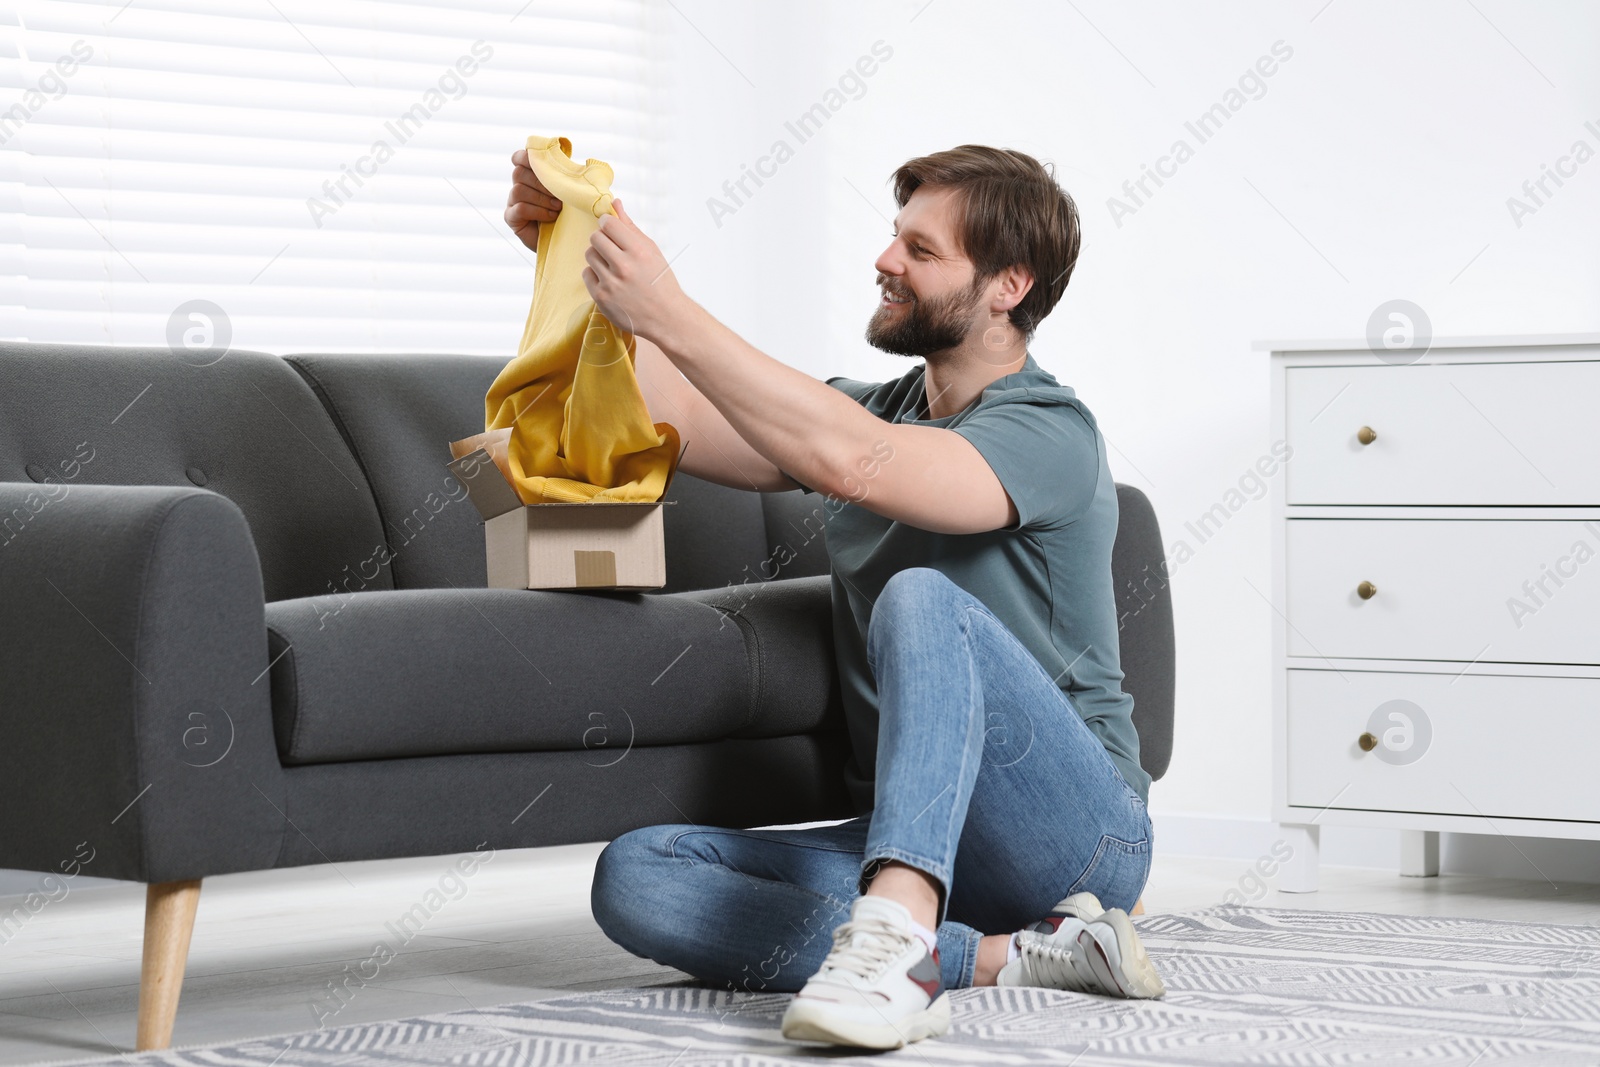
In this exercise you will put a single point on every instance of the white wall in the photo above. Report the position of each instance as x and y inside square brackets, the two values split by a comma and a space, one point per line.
[1376, 164]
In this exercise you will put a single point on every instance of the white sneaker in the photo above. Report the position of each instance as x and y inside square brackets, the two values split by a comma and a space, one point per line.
[1086, 949]
[879, 987]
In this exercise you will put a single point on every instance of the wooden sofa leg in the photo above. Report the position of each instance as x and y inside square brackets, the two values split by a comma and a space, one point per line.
[169, 909]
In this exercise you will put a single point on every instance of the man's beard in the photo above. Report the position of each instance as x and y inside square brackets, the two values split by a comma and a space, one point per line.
[921, 327]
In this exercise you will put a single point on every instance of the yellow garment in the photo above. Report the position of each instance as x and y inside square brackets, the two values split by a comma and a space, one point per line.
[579, 427]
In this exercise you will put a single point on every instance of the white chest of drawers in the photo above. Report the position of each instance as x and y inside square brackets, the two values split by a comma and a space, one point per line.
[1435, 593]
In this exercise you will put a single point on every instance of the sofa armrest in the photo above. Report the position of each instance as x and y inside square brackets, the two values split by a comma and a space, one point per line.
[138, 730]
[787, 625]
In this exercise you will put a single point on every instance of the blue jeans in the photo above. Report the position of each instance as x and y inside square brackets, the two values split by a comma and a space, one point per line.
[987, 779]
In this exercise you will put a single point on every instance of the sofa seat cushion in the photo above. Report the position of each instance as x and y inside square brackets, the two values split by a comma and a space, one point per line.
[788, 629]
[428, 672]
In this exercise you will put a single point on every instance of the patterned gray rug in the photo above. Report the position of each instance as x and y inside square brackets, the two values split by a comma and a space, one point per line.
[1244, 985]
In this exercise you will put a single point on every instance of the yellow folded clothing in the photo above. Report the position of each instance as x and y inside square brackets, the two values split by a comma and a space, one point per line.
[579, 429]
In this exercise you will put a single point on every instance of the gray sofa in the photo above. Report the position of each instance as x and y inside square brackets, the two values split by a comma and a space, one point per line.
[244, 626]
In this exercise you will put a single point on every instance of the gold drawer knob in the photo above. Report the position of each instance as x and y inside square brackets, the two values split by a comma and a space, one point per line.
[1366, 590]
[1366, 435]
[1367, 741]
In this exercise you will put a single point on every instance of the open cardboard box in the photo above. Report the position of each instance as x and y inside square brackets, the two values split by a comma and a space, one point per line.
[607, 544]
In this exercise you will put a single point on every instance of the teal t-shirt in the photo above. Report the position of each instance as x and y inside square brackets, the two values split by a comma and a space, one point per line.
[1048, 577]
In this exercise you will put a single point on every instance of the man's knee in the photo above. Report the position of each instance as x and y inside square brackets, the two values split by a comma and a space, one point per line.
[905, 590]
[627, 877]
[914, 581]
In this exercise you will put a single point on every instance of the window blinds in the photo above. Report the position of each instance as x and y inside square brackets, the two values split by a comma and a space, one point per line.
[330, 175]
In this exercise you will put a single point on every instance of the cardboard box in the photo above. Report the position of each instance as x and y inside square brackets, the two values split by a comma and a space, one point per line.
[604, 544]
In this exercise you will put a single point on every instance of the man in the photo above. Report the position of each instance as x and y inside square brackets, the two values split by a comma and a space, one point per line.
[975, 627]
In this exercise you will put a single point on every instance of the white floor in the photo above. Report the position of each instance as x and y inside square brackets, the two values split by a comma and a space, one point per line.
[267, 945]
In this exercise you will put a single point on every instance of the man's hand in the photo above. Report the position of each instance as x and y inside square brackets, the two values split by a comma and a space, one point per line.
[628, 278]
[530, 203]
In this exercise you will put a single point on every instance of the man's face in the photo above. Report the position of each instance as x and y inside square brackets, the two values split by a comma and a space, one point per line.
[930, 299]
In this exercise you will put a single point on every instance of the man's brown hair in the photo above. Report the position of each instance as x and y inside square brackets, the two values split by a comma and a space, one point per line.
[1012, 214]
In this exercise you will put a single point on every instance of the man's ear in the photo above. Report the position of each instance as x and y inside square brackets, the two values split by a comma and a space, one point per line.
[1015, 282]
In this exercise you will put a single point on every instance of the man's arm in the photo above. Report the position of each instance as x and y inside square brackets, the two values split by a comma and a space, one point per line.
[716, 451]
[925, 476]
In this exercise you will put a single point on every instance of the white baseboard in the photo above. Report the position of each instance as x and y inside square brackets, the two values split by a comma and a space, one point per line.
[1484, 855]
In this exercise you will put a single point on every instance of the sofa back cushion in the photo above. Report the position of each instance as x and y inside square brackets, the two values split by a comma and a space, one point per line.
[398, 413]
[245, 426]
[718, 536]
[795, 523]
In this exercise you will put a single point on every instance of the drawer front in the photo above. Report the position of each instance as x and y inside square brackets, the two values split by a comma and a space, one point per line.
[1488, 433]
[1517, 748]
[1524, 591]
